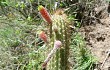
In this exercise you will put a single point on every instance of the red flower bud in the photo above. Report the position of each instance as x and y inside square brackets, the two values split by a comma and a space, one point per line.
[43, 36]
[45, 14]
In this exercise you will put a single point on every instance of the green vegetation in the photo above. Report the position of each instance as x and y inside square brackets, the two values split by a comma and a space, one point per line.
[81, 55]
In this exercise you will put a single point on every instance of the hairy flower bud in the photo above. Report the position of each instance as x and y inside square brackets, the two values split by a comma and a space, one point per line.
[45, 14]
[43, 36]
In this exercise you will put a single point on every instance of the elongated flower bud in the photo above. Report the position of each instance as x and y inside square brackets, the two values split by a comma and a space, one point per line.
[57, 45]
[45, 14]
[43, 36]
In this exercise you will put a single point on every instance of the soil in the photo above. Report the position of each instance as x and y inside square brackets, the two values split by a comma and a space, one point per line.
[97, 37]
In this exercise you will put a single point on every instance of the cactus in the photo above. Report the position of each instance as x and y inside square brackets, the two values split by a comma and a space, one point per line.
[59, 30]
[62, 33]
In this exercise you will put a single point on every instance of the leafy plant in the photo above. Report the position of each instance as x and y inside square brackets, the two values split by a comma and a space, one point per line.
[81, 55]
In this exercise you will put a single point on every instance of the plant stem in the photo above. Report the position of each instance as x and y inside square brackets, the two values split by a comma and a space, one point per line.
[50, 30]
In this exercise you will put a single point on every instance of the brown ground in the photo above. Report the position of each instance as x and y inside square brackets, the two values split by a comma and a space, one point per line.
[97, 38]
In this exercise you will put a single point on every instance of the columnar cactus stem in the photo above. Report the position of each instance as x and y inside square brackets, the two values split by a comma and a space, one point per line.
[63, 35]
[66, 47]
